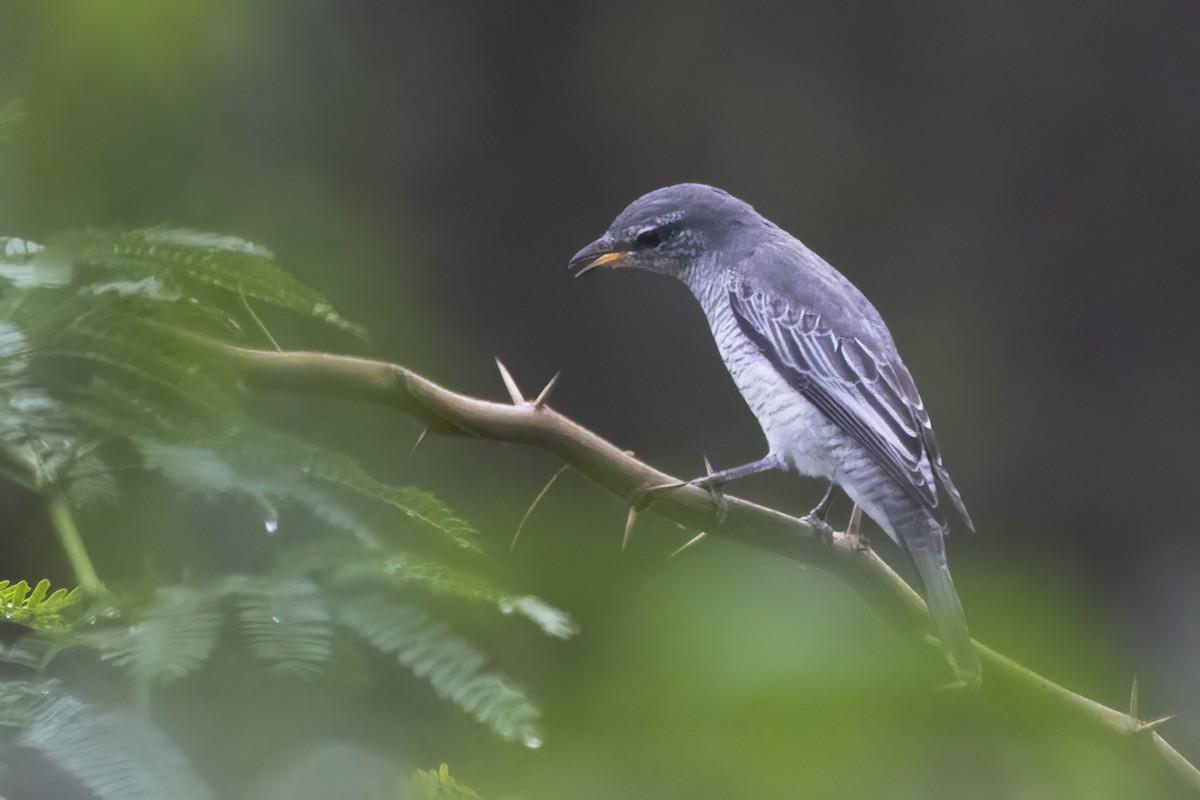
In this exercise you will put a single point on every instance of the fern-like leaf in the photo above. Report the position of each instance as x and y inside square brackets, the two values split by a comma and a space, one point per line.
[22, 702]
[286, 624]
[188, 262]
[348, 565]
[174, 638]
[553, 622]
[429, 784]
[114, 754]
[262, 452]
[273, 468]
[452, 666]
[37, 608]
[274, 481]
[428, 509]
[25, 264]
[39, 440]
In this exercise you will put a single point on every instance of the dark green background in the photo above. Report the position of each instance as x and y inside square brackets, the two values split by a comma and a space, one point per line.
[1014, 185]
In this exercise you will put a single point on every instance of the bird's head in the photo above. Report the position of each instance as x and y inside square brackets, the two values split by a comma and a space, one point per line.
[672, 230]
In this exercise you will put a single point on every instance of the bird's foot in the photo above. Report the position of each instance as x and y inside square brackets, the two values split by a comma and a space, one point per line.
[716, 493]
[820, 528]
[819, 514]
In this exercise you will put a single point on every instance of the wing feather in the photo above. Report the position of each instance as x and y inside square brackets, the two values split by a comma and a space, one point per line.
[867, 394]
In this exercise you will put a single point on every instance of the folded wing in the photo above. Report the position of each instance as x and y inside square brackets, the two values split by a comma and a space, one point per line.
[868, 395]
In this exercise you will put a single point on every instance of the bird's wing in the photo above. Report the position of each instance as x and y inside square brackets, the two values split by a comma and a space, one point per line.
[869, 395]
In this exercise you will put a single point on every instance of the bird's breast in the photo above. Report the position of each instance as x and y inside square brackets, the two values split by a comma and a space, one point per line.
[795, 429]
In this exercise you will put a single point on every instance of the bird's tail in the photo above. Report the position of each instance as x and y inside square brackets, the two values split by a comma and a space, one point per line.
[929, 554]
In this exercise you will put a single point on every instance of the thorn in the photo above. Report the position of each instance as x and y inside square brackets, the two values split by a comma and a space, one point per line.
[534, 505]
[641, 499]
[417, 443]
[708, 470]
[510, 384]
[633, 512]
[1133, 698]
[544, 395]
[699, 537]
[1153, 724]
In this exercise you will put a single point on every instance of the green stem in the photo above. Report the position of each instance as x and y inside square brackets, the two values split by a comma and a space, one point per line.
[72, 544]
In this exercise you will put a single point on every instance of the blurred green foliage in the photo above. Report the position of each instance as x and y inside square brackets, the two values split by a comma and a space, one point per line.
[109, 347]
[988, 175]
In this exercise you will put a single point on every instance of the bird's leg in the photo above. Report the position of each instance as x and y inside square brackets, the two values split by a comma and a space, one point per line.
[765, 464]
[855, 523]
[714, 482]
[821, 509]
[816, 517]
[854, 529]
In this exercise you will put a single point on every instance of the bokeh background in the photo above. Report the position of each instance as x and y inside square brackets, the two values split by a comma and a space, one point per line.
[1016, 186]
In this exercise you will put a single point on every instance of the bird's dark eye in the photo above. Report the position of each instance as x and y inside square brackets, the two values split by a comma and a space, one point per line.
[655, 236]
[646, 239]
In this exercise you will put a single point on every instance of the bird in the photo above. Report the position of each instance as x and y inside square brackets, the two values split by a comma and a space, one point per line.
[817, 366]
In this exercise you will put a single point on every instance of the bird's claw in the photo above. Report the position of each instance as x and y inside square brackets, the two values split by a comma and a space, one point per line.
[716, 493]
[821, 529]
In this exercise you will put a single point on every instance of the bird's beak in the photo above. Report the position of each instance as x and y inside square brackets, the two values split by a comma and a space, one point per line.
[599, 253]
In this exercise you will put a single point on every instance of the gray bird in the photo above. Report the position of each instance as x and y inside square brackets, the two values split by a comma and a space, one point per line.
[815, 363]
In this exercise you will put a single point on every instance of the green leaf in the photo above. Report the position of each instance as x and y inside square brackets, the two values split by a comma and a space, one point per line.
[286, 624]
[428, 784]
[21, 702]
[89, 482]
[278, 480]
[114, 754]
[37, 608]
[26, 265]
[272, 469]
[452, 666]
[259, 453]
[553, 622]
[39, 440]
[187, 263]
[174, 638]
[431, 511]
[345, 565]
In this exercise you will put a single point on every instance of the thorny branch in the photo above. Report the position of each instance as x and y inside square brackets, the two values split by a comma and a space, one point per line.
[535, 424]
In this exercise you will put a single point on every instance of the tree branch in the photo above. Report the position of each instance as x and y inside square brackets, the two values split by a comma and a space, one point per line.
[536, 425]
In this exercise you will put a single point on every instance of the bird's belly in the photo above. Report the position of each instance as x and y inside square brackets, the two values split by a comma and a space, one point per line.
[795, 429]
